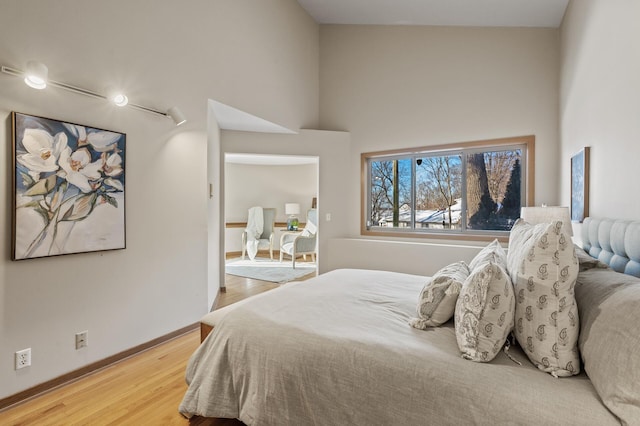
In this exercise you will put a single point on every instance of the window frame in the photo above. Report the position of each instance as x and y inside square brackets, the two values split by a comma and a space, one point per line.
[528, 185]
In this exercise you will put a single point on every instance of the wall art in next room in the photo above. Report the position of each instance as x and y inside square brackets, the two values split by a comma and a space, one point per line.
[68, 188]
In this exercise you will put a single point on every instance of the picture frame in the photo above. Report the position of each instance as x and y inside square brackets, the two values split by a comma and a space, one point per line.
[68, 188]
[580, 185]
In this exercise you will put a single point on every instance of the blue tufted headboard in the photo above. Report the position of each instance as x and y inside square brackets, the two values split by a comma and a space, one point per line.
[614, 242]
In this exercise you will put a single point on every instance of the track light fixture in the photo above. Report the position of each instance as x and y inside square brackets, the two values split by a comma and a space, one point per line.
[36, 76]
[176, 115]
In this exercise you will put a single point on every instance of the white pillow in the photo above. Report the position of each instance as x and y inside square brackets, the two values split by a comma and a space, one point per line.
[438, 297]
[543, 267]
[492, 252]
[309, 230]
[484, 312]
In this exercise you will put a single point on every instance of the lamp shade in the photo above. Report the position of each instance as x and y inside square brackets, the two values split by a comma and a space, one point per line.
[292, 208]
[535, 215]
[36, 75]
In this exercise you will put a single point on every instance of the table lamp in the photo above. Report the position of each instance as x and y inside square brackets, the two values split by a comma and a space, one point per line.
[535, 215]
[292, 210]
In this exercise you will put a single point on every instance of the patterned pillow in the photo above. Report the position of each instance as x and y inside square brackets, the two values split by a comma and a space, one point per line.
[543, 267]
[484, 312]
[438, 297]
[492, 252]
[609, 340]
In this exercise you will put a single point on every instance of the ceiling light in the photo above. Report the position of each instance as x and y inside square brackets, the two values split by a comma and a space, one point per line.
[176, 115]
[120, 100]
[117, 97]
[36, 75]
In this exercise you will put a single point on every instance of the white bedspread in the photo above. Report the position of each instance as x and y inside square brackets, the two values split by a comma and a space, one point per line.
[337, 350]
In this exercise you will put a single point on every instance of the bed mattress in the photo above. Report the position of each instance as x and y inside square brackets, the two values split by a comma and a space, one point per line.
[338, 350]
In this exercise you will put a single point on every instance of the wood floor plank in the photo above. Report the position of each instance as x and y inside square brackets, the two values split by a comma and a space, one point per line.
[145, 389]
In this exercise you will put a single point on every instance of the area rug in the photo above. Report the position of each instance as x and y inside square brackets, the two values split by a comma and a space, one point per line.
[268, 270]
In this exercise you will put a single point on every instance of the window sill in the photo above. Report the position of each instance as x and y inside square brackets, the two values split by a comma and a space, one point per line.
[503, 237]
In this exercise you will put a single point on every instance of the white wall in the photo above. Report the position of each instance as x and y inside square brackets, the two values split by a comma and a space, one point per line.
[215, 206]
[409, 257]
[260, 57]
[401, 86]
[600, 102]
[248, 185]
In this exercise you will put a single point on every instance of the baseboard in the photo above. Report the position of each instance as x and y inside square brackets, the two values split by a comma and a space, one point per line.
[91, 368]
[261, 254]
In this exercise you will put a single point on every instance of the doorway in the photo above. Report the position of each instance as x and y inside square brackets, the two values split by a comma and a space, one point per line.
[271, 182]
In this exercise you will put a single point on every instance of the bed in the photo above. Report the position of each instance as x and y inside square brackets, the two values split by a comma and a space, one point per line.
[338, 349]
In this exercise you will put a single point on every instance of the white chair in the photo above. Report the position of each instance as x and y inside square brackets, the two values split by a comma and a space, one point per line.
[303, 243]
[266, 238]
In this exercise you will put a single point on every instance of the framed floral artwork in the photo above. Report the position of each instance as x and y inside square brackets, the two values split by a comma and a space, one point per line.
[580, 185]
[68, 188]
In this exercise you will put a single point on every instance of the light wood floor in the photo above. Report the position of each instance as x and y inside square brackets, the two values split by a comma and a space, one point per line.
[145, 389]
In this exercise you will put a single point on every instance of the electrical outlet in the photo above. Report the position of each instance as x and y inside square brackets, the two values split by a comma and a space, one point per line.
[81, 339]
[23, 358]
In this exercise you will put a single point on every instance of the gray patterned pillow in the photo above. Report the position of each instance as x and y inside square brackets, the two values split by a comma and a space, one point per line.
[438, 297]
[492, 252]
[609, 340]
[543, 267]
[484, 312]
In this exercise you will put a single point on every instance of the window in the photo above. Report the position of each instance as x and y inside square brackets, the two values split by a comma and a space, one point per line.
[466, 189]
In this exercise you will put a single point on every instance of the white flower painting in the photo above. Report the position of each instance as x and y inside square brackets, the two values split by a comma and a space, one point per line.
[69, 186]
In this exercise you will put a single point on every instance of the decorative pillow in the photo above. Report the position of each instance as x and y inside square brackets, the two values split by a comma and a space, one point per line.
[484, 312]
[438, 297]
[310, 229]
[492, 252]
[609, 340]
[543, 267]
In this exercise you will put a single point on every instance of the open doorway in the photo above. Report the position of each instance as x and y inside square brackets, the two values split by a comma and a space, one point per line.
[283, 186]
